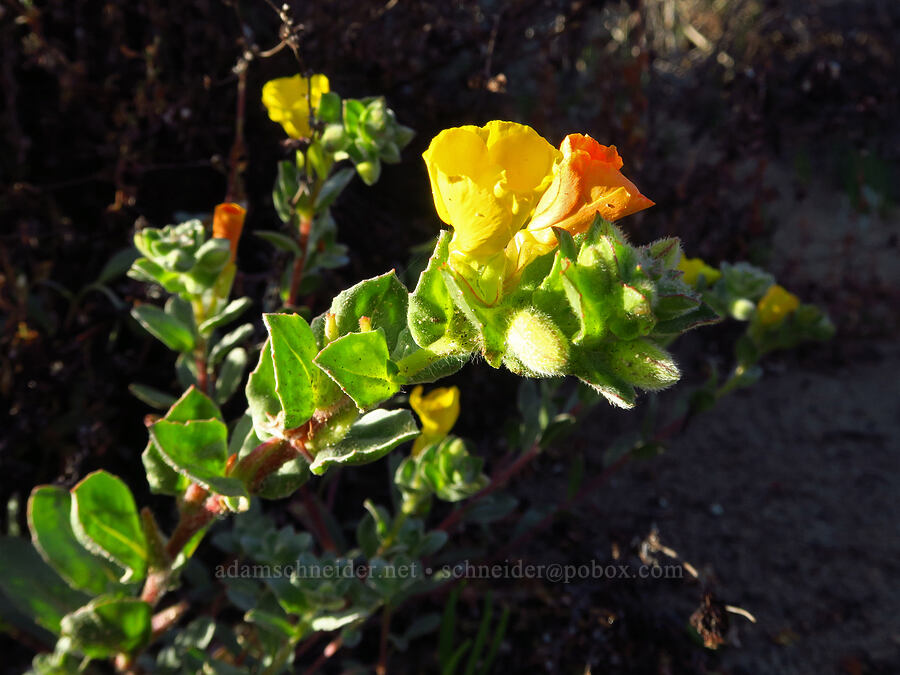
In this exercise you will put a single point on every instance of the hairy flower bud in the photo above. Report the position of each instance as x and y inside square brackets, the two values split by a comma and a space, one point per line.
[535, 345]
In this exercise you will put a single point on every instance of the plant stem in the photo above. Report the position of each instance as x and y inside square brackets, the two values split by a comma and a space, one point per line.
[329, 651]
[317, 520]
[497, 481]
[300, 260]
[381, 668]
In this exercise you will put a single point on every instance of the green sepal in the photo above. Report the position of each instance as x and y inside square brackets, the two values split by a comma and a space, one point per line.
[431, 308]
[105, 521]
[361, 366]
[49, 519]
[108, 626]
[369, 439]
[703, 315]
[164, 327]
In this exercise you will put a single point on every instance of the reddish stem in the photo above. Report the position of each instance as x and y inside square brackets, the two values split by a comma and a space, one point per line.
[330, 650]
[381, 668]
[299, 261]
[497, 482]
[317, 520]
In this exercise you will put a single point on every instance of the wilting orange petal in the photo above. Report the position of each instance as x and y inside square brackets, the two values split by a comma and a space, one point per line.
[228, 223]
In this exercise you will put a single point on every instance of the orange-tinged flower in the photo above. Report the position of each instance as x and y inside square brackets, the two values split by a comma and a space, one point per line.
[775, 305]
[588, 182]
[438, 411]
[228, 223]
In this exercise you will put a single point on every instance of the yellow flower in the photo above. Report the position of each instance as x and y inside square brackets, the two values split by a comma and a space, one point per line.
[694, 267]
[486, 182]
[288, 100]
[438, 412]
[228, 222]
[775, 305]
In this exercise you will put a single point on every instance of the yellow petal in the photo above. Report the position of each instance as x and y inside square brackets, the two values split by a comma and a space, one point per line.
[486, 180]
[694, 267]
[776, 305]
[438, 412]
[288, 99]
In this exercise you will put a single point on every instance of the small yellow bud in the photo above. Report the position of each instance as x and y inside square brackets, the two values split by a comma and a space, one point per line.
[365, 324]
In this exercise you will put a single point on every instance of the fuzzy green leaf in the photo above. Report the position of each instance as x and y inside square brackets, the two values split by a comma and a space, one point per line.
[360, 364]
[431, 308]
[198, 450]
[293, 350]
[33, 587]
[229, 313]
[108, 626]
[170, 331]
[370, 438]
[49, 519]
[231, 374]
[105, 520]
[382, 299]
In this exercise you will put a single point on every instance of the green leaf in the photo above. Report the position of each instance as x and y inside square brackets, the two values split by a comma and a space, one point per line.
[161, 477]
[194, 405]
[286, 185]
[370, 438]
[151, 396]
[169, 330]
[279, 241]
[333, 187]
[703, 315]
[293, 349]
[49, 519]
[118, 265]
[180, 309]
[33, 587]
[228, 342]
[383, 299]
[329, 109]
[431, 308]
[360, 364]
[198, 450]
[108, 626]
[286, 481]
[231, 374]
[144, 269]
[105, 520]
[229, 313]
[262, 399]
[186, 370]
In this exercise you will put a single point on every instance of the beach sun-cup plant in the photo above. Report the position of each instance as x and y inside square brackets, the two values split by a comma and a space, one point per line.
[534, 275]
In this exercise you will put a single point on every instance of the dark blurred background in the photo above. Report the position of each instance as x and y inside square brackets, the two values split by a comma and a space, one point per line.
[765, 130]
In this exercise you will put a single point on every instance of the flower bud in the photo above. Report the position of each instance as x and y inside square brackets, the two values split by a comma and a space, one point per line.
[228, 223]
[536, 344]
